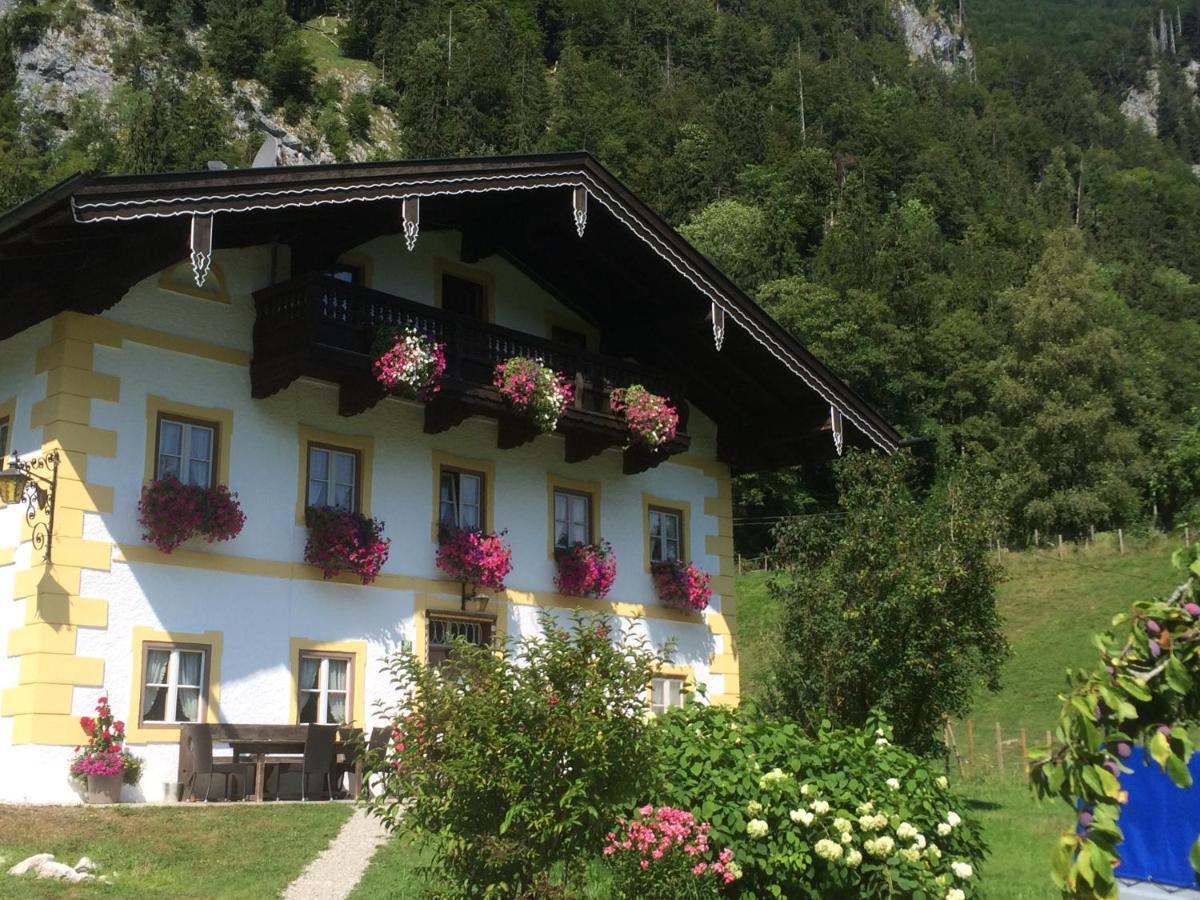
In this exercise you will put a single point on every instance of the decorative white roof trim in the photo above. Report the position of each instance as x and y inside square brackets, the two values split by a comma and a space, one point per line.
[452, 186]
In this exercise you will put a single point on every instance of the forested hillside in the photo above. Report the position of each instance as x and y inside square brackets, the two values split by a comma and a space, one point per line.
[980, 242]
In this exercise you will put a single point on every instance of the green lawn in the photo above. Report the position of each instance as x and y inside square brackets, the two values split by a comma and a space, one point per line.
[320, 36]
[1020, 833]
[162, 851]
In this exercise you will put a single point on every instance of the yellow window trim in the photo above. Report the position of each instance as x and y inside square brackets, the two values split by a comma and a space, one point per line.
[485, 466]
[687, 673]
[8, 410]
[443, 266]
[357, 649]
[185, 286]
[561, 319]
[581, 487]
[360, 261]
[137, 734]
[223, 418]
[364, 444]
[684, 508]
[450, 605]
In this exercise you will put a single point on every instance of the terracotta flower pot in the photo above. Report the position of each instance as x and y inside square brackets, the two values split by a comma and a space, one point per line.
[104, 788]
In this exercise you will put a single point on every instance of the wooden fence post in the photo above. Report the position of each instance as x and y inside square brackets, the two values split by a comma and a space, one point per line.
[739, 564]
[1036, 538]
[1060, 548]
[999, 751]
[971, 746]
[1121, 540]
[1024, 755]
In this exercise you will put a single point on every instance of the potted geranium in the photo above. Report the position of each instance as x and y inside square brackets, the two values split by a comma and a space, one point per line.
[474, 557]
[586, 570]
[682, 585]
[409, 363]
[534, 390]
[103, 763]
[170, 512]
[652, 420]
[342, 541]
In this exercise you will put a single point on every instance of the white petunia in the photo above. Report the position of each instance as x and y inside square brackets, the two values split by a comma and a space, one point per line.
[961, 870]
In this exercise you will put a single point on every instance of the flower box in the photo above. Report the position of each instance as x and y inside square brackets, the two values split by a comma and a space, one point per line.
[534, 391]
[341, 541]
[682, 585]
[586, 570]
[170, 512]
[652, 420]
[474, 557]
[409, 363]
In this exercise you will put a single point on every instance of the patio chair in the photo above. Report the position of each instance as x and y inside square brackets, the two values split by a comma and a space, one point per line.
[317, 762]
[200, 747]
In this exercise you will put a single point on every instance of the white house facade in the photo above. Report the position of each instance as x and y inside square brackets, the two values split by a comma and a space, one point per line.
[119, 361]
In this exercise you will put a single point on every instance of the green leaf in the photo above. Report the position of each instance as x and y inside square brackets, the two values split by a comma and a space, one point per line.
[1160, 749]
[1194, 856]
[1178, 677]
[1178, 771]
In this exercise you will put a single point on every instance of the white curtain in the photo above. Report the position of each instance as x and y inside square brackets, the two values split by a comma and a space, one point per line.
[154, 700]
[187, 692]
[336, 690]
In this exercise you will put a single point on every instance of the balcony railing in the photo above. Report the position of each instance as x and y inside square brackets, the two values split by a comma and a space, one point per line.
[319, 326]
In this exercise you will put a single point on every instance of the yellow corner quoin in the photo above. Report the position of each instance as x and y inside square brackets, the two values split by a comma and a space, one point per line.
[166, 734]
[62, 609]
[47, 729]
[111, 333]
[364, 444]
[8, 555]
[486, 467]
[30, 699]
[54, 668]
[41, 638]
[357, 650]
[223, 418]
[582, 487]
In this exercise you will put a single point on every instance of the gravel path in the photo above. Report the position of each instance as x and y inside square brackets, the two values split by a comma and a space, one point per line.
[335, 872]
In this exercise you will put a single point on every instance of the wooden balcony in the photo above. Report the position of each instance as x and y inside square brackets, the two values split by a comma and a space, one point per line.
[317, 326]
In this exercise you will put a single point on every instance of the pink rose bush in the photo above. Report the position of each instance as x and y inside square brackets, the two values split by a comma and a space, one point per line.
[665, 853]
[341, 541]
[104, 753]
[534, 390]
[682, 585]
[170, 512]
[479, 558]
[586, 570]
[652, 420]
[409, 363]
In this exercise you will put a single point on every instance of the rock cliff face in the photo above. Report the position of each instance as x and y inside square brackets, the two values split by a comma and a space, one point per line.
[68, 62]
[1141, 106]
[931, 38]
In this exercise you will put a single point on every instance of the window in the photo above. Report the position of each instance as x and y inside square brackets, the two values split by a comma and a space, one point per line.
[186, 449]
[465, 297]
[443, 631]
[568, 336]
[572, 519]
[460, 502]
[665, 531]
[666, 692]
[332, 477]
[324, 686]
[173, 679]
[3, 439]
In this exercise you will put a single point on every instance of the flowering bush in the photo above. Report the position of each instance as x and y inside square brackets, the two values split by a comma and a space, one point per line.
[170, 512]
[407, 362]
[586, 570]
[651, 419]
[664, 854]
[516, 765]
[839, 814]
[341, 541]
[682, 585]
[105, 753]
[475, 557]
[534, 390]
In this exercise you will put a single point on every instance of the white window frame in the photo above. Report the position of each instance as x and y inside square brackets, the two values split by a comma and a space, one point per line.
[329, 480]
[452, 627]
[322, 689]
[456, 476]
[662, 515]
[185, 449]
[569, 496]
[663, 697]
[172, 684]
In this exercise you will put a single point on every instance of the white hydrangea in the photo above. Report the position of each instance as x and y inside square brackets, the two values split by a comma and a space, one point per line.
[753, 808]
[881, 742]
[879, 732]
[820, 807]
[953, 818]
[757, 828]
[955, 894]
[919, 840]
[827, 849]
[906, 831]
[943, 829]
[933, 851]
[894, 783]
[847, 838]
[867, 823]
[804, 789]
[942, 781]
[801, 816]
[880, 847]
[842, 826]
[853, 857]
[961, 870]
[865, 807]
[911, 855]
[772, 778]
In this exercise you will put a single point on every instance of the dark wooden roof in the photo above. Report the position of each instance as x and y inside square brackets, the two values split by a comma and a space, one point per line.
[84, 242]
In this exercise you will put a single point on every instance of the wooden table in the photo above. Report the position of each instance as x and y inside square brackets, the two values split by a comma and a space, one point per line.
[259, 750]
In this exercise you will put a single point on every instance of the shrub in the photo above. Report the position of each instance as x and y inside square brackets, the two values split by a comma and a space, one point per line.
[511, 763]
[289, 72]
[534, 390]
[664, 854]
[171, 512]
[586, 570]
[842, 814]
[341, 541]
[358, 115]
[682, 585]
[105, 753]
[475, 557]
[651, 419]
[409, 363]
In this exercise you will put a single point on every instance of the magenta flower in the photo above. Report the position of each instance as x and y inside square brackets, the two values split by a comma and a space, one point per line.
[534, 390]
[170, 512]
[475, 557]
[682, 585]
[409, 363]
[341, 541]
[586, 570]
[651, 419]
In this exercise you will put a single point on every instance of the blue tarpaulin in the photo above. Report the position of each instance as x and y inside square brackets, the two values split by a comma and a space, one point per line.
[1161, 822]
